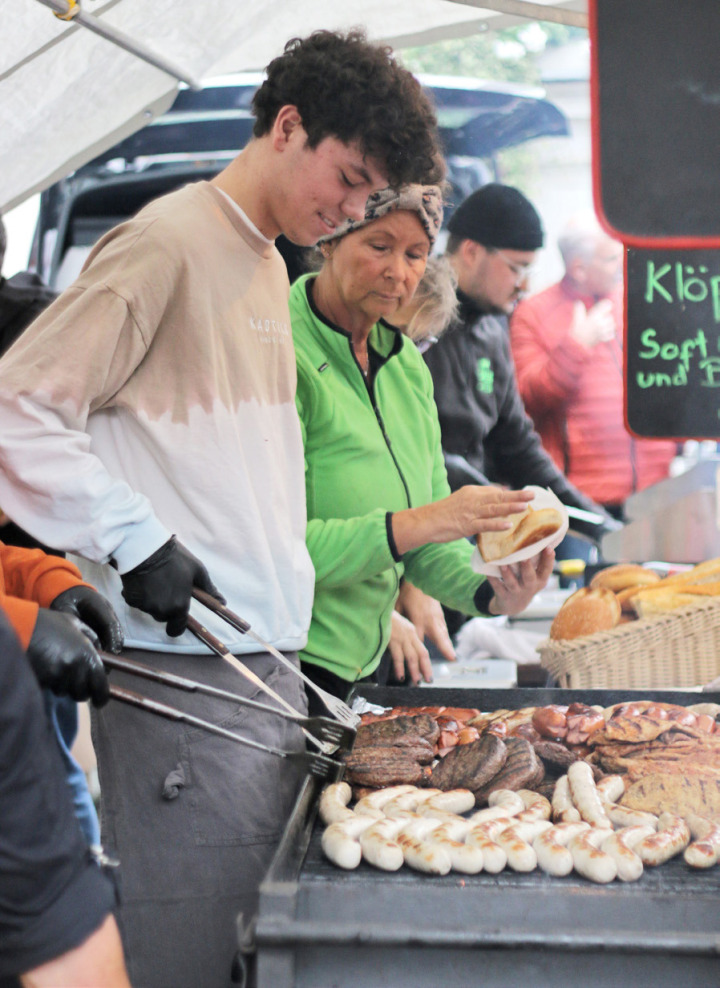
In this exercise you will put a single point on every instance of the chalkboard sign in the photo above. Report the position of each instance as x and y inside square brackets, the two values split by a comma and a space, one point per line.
[672, 343]
[655, 82]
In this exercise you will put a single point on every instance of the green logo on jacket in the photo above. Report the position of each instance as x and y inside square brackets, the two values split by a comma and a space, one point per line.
[485, 376]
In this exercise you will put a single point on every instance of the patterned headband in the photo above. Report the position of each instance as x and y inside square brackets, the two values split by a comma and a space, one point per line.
[423, 200]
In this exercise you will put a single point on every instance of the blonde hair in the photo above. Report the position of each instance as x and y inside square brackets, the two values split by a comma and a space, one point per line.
[434, 303]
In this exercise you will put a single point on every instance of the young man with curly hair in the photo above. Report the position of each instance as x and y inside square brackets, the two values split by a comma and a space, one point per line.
[149, 427]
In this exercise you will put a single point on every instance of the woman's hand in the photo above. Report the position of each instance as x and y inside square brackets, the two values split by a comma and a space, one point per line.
[426, 614]
[407, 650]
[518, 584]
[465, 513]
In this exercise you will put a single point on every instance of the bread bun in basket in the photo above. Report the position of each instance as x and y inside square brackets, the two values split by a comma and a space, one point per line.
[586, 611]
[529, 527]
[623, 576]
[662, 598]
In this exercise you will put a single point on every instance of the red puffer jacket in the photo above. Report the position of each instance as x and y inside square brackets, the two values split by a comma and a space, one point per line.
[574, 395]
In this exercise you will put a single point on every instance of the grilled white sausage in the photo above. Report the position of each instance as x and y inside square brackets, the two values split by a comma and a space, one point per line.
[563, 810]
[482, 835]
[409, 800]
[508, 800]
[623, 816]
[672, 837]
[419, 853]
[439, 816]
[537, 807]
[610, 788]
[704, 851]
[515, 841]
[376, 800]
[465, 858]
[452, 801]
[584, 794]
[379, 847]
[340, 844]
[588, 860]
[620, 847]
[334, 801]
[552, 854]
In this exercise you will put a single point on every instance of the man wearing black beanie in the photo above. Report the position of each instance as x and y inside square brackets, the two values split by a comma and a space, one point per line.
[487, 436]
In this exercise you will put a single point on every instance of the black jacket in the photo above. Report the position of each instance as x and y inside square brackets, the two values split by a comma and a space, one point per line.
[22, 298]
[486, 434]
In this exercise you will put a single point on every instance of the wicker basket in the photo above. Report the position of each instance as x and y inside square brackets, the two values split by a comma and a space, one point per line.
[675, 650]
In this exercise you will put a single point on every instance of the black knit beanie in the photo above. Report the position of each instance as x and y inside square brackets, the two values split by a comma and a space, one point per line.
[498, 216]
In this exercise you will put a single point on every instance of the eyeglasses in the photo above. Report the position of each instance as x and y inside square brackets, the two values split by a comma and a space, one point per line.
[521, 271]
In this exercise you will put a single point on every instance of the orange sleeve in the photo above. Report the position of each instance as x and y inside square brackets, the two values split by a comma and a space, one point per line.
[30, 578]
[22, 615]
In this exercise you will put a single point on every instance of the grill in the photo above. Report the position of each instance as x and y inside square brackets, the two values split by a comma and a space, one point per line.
[319, 926]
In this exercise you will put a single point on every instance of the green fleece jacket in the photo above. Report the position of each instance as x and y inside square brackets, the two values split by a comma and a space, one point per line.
[371, 448]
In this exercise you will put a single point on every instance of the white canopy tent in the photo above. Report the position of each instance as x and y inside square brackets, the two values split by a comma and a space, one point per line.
[67, 93]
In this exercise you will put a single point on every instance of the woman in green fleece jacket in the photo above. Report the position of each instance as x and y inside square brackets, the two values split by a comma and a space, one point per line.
[378, 501]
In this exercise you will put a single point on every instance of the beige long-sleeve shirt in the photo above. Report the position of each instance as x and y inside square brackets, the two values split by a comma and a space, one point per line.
[156, 396]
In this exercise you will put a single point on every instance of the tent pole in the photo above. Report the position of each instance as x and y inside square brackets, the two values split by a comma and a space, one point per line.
[534, 11]
[72, 12]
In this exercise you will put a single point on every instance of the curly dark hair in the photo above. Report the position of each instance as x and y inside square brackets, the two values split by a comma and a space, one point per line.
[345, 87]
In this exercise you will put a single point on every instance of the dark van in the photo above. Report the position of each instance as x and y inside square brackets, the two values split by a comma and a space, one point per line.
[203, 130]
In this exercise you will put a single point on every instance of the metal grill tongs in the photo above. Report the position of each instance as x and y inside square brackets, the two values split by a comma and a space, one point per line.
[221, 649]
[339, 710]
[313, 762]
[321, 727]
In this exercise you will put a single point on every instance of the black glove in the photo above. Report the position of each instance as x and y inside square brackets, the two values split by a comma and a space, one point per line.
[162, 585]
[63, 657]
[94, 611]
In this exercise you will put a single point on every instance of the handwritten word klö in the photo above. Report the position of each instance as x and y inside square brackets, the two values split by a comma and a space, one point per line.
[686, 284]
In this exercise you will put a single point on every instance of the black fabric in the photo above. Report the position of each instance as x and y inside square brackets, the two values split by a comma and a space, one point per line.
[332, 684]
[22, 298]
[52, 894]
[498, 216]
[482, 416]
[483, 595]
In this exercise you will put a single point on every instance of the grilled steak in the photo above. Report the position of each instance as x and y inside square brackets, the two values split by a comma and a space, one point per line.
[522, 770]
[683, 756]
[470, 766]
[555, 756]
[397, 732]
[378, 767]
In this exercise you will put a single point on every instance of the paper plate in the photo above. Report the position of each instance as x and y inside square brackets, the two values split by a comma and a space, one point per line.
[544, 498]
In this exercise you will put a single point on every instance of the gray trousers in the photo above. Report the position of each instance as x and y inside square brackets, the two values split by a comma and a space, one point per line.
[193, 818]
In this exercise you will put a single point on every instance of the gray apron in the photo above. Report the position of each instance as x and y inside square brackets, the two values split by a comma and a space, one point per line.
[193, 818]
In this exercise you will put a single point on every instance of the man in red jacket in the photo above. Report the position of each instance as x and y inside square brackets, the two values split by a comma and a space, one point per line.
[567, 347]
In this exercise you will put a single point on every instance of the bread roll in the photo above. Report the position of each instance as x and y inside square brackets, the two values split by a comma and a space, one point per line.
[586, 611]
[707, 572]
[529, 526]
[662, 598]
[622, 576]
[625, 598]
